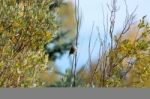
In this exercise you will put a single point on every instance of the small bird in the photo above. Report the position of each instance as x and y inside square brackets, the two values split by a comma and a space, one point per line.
[72, 50]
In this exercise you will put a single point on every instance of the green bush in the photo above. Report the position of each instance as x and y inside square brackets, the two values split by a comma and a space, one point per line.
[24, 29]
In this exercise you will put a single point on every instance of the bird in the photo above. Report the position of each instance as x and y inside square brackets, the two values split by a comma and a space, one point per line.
[72, 50]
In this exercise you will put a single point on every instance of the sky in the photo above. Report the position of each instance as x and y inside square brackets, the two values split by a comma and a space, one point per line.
[92, 13]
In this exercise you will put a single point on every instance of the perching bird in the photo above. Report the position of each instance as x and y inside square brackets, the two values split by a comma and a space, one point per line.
[72, 50]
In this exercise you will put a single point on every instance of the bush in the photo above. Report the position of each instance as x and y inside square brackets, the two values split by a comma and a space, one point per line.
[24, 29]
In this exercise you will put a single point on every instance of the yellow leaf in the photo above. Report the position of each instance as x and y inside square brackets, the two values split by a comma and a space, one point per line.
[48, 35]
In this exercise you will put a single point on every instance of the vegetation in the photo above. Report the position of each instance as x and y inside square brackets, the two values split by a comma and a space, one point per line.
[121, 61]
[24, 28]
[34, 33]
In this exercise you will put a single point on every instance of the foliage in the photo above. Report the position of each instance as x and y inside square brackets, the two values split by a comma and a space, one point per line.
[125, 63]
[131, 62]
[65, 34]
[67, 80]
[24, 28]
[28, 27]
[62, 42]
